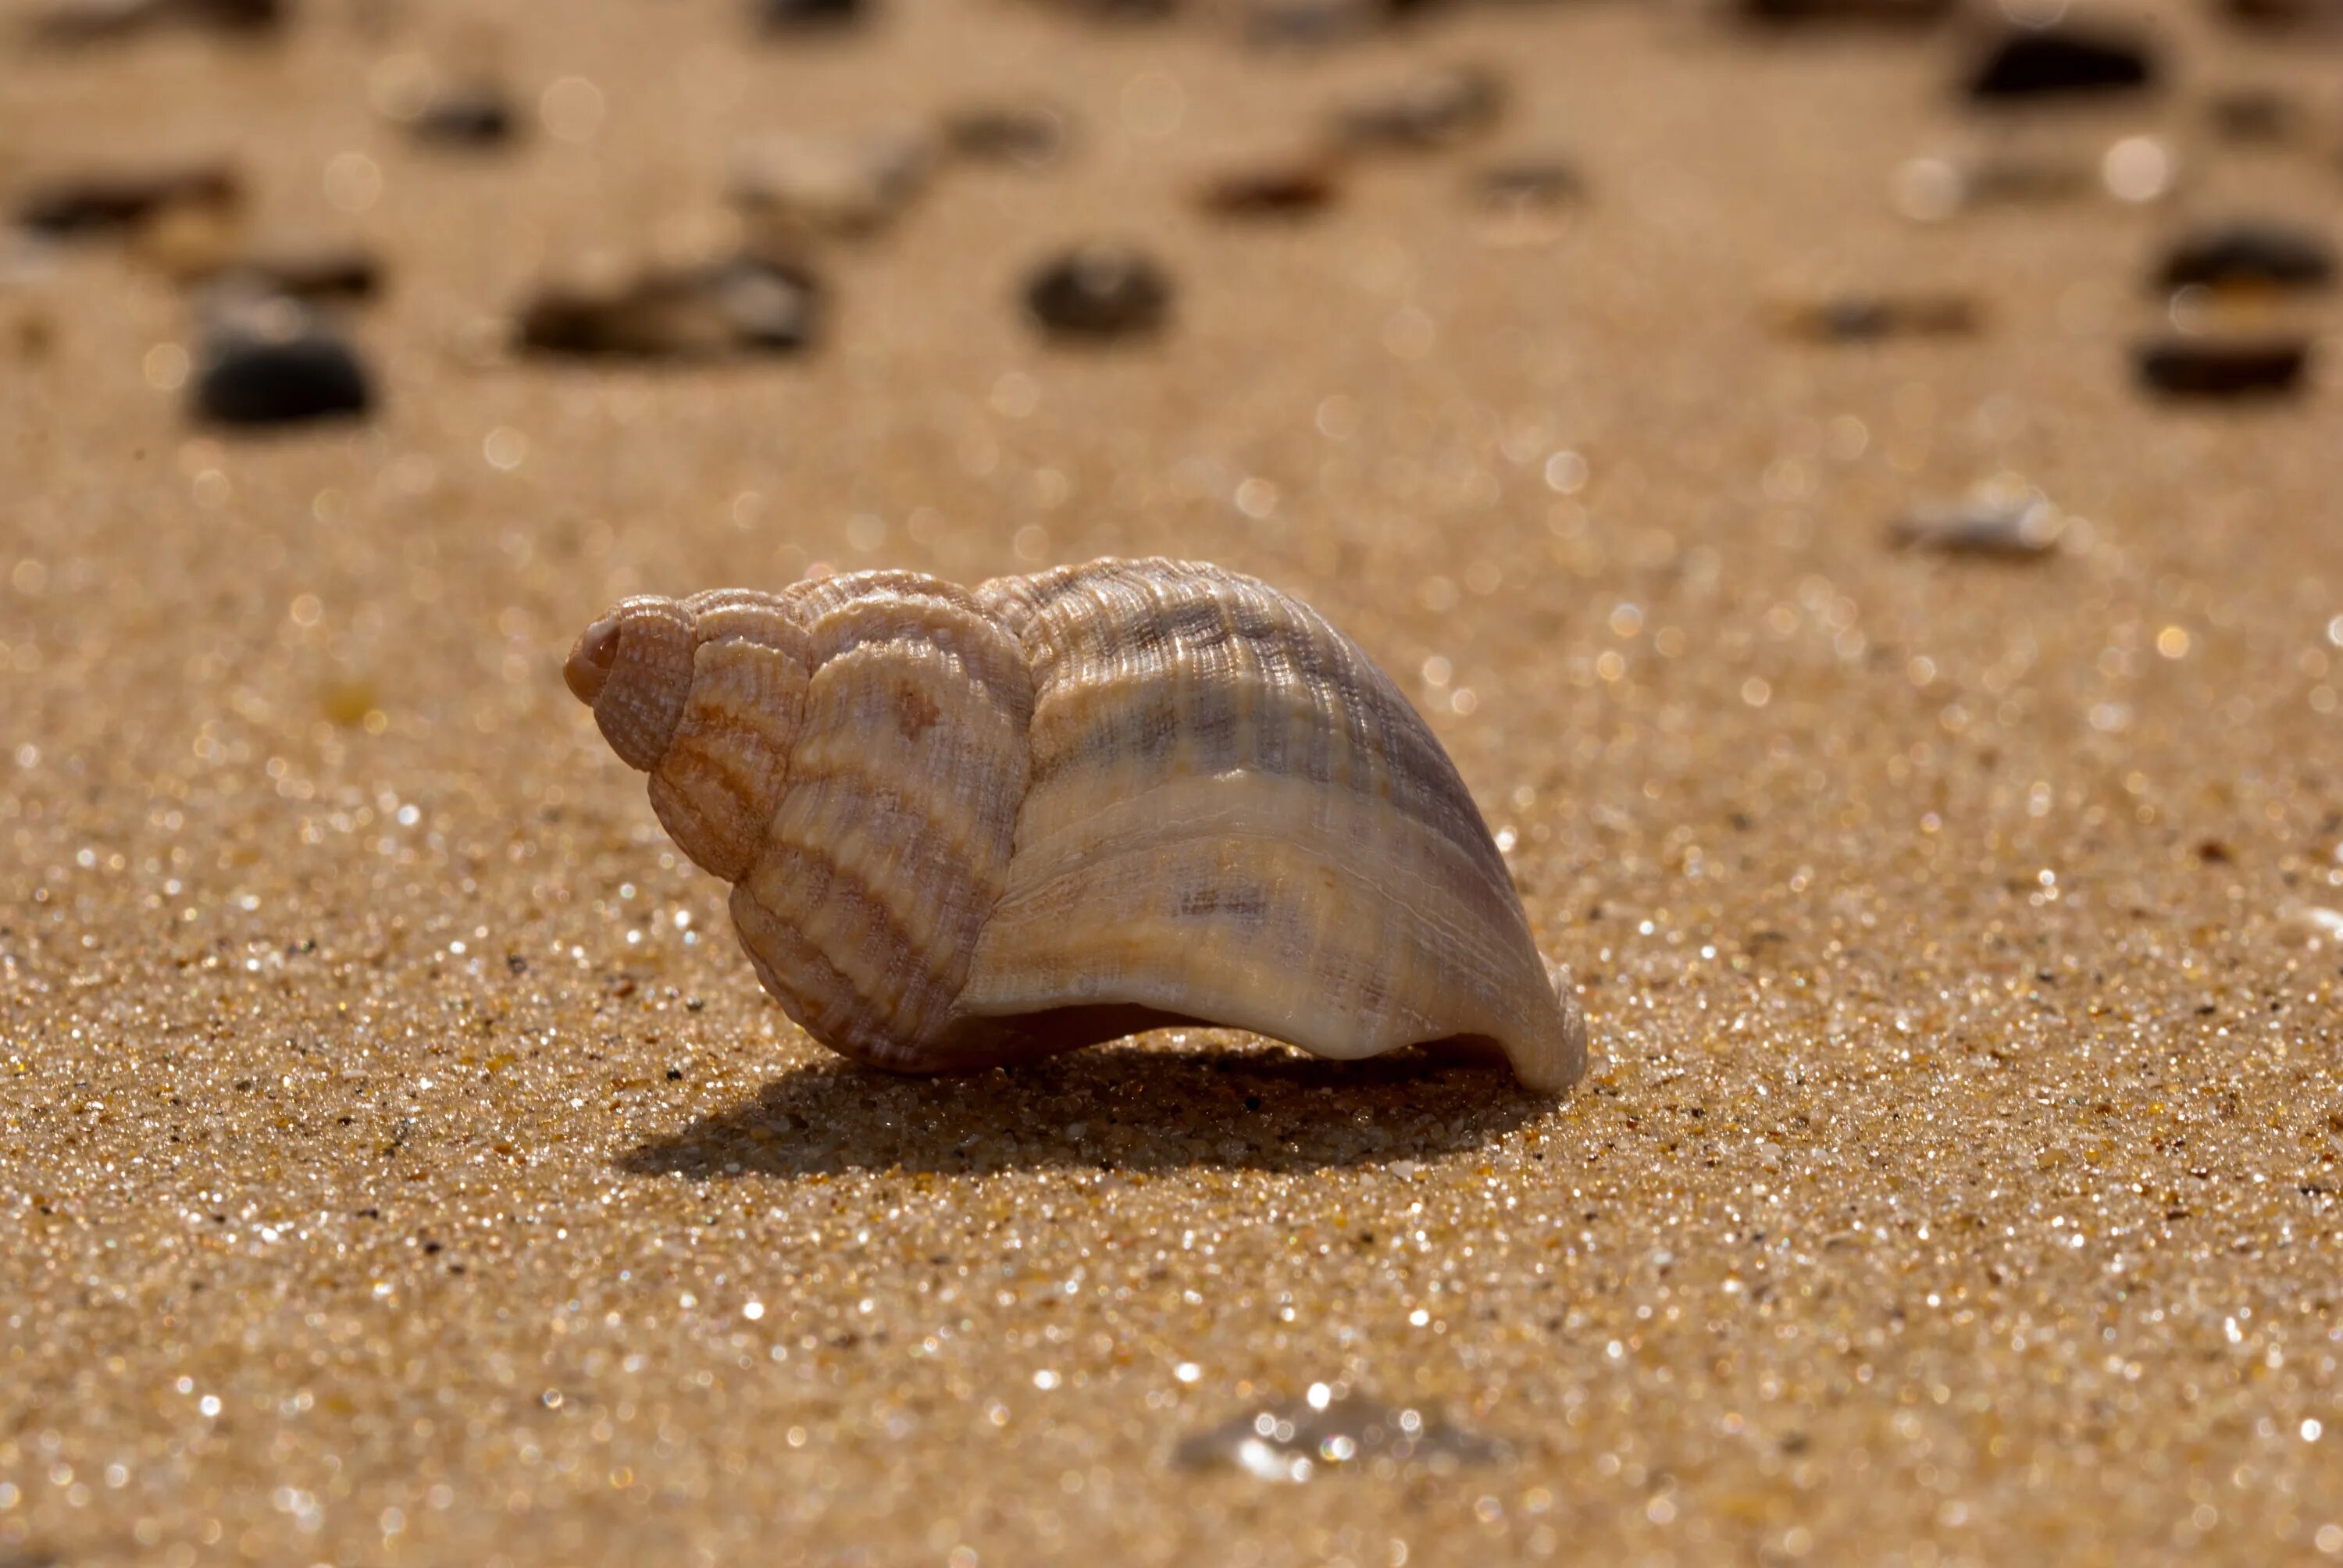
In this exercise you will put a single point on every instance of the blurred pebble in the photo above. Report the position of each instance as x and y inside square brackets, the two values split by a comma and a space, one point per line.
[743, 304]
[1313, 24]
[2282, 14]
[1289, 186]
[97, 21]
[1099, 291]
[1438, 108]
[1868, 317]
[2060, 62]
[2249, 256]
[1787, 13]
[795, 187]
[2214, 367]
[341, 274]
[2261, 115]
[1031, 135]
[806, 15]
[270, 360]
[2314, 923]
[117, 200]
[2017, 528]
[467, 116]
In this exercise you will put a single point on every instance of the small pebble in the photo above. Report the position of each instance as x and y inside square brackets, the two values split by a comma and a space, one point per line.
[1869, 317]
[1031, 135]
[798, 187]
[1789, 13]
[466, 115]
[119, 200]
[98, 21]
[1313, 24]
[270, 360]
[741, 305]
[2258, 256]
[322, 274]
[2062, 62]
[2216, 367]
[806, 15]
[2016, 527]
[1099, 291]
[2283, 14]
[1328, 1432]
[1274, 188]
[1438, 108]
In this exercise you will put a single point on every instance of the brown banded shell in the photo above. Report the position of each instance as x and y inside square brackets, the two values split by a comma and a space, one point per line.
[972, 827]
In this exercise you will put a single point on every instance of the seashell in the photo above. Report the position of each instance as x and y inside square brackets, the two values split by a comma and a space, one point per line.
[2019, 527]
[741, 304]
[974, 827]
[796, 188]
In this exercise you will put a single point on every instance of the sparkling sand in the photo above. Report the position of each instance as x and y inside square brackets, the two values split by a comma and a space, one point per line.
[398, 1162]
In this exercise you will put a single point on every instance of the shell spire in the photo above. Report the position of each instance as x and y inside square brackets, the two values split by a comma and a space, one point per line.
[972, 826]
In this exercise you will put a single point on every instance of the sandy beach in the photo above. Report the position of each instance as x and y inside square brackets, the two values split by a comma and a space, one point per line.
[399, 1162]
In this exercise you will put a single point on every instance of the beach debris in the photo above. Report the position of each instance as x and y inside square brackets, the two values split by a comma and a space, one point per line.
[2248, 257]
[1087, 802]
[117, 201]
[1100, 290]
[1031, 135]
[849, 186]
[2185, 366]
[470, 115]
[744, 304]
[2008, 526]
[2060, 62]
[1523, 186]
[266, 360]
[784, 16]
[79, 22]
[1292, 184]
[1871, 318]
[1441, 107]
[1334, 1432]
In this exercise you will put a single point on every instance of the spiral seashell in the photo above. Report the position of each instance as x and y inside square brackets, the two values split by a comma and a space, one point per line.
[972, 827]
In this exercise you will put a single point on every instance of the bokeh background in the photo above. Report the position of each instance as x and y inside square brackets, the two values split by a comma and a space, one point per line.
[1914, 728]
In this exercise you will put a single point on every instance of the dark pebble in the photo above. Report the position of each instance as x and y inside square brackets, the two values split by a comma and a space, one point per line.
[1098, 292]
[807, 16]
[2282, 14]
[124, 199]
[2060, 62]
[99, 20]
[1440, 108]
[272, 361]
[746, 303]
[472, 116]
[1031, 135]
[1273, 189]
[2202, 368]
[345, 277]
[1791, 13]
[2249, 256]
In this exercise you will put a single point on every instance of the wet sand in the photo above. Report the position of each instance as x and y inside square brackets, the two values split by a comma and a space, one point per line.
[399, 1162]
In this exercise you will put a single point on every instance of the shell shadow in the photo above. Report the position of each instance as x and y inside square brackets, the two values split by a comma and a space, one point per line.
[1114, 1108]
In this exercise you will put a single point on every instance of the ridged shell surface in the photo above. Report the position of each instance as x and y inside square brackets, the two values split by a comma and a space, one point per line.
[971, 827]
